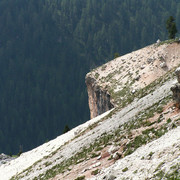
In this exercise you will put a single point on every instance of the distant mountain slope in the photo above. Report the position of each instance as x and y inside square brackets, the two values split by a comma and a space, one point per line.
[46, 49]
[141, 129]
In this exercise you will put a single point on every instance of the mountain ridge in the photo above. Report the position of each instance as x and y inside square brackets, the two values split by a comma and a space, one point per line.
[138, 120]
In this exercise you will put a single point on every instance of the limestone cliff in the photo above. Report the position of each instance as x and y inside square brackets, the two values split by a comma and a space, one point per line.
[176, 88]
[99, 99]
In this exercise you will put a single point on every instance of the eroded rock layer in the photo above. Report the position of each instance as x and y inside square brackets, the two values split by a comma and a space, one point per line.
[99, 99]
[176, 88]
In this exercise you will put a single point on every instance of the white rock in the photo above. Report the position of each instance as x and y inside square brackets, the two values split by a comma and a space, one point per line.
[163, 65]
[158, 41]
[96, 165]
[133, 91]
[116, 156]
[113, 149]
[99, 157]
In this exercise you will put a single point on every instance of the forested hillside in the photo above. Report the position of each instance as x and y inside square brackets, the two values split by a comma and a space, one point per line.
[47, 47]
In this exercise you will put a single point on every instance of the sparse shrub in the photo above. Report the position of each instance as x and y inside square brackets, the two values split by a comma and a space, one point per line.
[116, 55]
[103, 67]
[125, 169]
[169, 120]
[95, 172]
[96, 75]
[80, 178]
[95, 155]
[66, 129]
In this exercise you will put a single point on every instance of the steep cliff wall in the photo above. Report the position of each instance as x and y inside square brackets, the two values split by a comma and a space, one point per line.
[116, 83]
[99, 99]
[176, 88]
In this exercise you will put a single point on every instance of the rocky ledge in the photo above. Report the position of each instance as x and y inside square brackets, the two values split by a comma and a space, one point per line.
[99, 99]
[116, 83]
[5, 158]
[176, 88]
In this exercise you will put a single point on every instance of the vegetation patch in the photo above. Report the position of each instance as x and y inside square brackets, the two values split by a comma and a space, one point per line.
[95, 172]
[80, 178]
[125, 169]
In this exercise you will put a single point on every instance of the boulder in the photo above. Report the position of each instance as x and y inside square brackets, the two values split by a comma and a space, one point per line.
[113, 149]
[109, 177]
[163, 65]
[158, 41]
[116, 156]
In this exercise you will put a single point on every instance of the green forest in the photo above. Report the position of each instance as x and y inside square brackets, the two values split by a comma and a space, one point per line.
[48, 46]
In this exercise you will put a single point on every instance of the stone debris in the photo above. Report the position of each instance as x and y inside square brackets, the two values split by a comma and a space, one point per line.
[163, 65]
[133, 91]
[99, 157]
[150, 60]
[109, 177]
[113, 149]
[158, 41]
[5, 158]
[142, 67]
[116, 156]
[96, 165]
[137, 78]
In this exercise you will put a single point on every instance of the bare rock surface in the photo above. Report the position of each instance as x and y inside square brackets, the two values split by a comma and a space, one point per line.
[5, 158]
[164, 154]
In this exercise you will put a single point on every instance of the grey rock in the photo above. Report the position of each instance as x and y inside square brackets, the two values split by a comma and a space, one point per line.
[161, 58]
[116, 156]
[113, 149]
[99, 157]
[150, 60]
[96, 165]
[158, 41]
[163, 65]
[142, 67]
[137, 78]
[109, 177]
[5, 158]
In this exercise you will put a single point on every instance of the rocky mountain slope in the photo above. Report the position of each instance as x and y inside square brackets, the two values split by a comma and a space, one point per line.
[136, 133]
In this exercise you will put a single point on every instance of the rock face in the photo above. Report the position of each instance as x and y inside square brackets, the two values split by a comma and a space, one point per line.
[176, 88]
[99, 99]
[5, 158]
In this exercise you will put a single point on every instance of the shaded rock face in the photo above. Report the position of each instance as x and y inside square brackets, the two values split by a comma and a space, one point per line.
[99, 99]
[176, 88]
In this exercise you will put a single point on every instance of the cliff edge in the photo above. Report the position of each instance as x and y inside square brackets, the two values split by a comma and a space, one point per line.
[116, 83]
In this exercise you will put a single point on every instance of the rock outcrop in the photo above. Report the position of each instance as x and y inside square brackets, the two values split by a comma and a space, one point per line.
[176, 88]
[99, 99]
[5, 158]
[112, 84]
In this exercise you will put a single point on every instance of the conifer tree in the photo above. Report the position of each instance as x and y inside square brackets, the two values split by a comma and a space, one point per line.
[171, 27]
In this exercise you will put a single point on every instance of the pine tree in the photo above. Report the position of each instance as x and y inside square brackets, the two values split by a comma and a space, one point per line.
[66, 129]
[171, 27]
